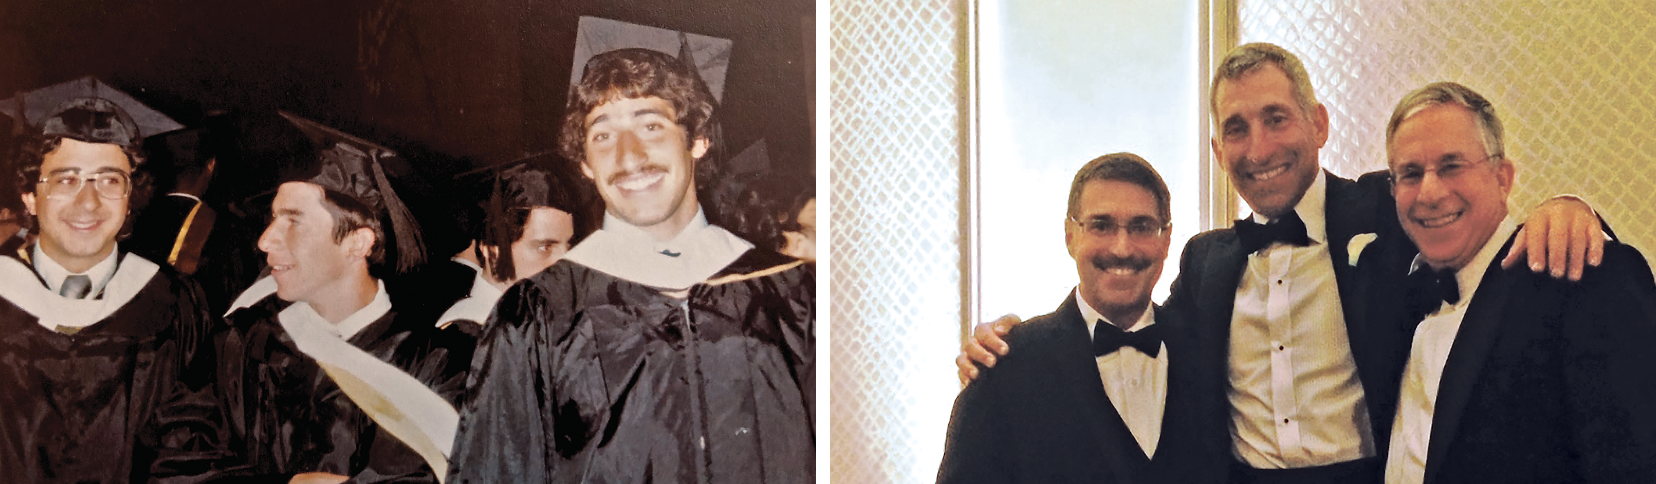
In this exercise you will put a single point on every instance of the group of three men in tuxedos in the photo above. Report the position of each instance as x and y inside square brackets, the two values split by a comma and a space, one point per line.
[1292, 353]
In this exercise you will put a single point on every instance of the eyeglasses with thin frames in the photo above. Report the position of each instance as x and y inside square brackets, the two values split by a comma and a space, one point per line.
[112, 185]
[1451, 168]
[1138, 229]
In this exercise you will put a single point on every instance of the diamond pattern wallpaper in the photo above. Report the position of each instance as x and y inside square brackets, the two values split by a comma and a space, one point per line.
[1571, 81]
[896, 95]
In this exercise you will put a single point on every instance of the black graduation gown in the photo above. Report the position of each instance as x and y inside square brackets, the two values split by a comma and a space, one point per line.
[156, 230]
[582, 376]
[287, 416]
[111, 402]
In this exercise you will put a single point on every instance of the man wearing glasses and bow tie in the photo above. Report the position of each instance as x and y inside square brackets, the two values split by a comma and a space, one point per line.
[1103, 389]
[96, 338]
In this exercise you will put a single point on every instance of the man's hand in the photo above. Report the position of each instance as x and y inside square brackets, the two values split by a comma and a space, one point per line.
[317, 478]
[985, 337]
[1562, 235]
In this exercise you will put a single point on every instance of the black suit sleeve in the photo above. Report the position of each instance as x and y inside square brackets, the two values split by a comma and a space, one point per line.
[1609, 332]
[974, 450]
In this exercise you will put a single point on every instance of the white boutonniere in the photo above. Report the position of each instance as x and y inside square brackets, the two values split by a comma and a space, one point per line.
[1354, 249]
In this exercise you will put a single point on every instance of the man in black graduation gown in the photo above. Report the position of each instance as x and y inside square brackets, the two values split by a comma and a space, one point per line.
[95, 342]
[527, 214]
[1511, 377]
[662, 348]
[1309, 390]
[321, 377]
[1101, 390]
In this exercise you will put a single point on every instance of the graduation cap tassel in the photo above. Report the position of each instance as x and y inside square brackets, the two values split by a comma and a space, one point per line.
[410, 244]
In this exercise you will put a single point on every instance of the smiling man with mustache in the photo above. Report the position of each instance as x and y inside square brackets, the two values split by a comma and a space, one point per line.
[1104, 389]
[662, 348]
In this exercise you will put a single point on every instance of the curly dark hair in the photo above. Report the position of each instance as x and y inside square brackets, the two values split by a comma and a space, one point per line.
[639, 73]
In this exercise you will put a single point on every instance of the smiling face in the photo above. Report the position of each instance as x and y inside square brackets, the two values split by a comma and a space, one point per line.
[1265, 141]
[545, 240]
[306, 261]
[1117, 270]
[79, 230]
[643, 164]
[1460, 198]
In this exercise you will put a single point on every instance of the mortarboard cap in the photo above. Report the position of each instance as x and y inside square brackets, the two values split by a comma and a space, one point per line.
[543, 180]
[32, 110]
[708, 56]
[352, 166]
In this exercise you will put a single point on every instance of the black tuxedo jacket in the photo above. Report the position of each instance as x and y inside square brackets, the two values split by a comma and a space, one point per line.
[1213, 262]
[1547, 380]
[1042, 415]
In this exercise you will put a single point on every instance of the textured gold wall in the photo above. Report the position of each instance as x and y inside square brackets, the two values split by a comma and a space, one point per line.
[1573, 82]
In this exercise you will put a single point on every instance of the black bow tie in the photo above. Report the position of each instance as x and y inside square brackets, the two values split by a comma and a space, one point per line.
[1429, 289]
[1288, 229]
[1107, 338]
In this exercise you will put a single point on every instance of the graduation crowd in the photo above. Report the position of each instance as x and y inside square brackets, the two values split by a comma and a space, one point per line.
[618, 312]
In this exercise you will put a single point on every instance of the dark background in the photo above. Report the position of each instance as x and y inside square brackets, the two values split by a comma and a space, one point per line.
[449, 84]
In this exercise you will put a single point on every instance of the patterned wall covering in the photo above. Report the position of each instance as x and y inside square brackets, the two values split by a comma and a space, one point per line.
[896, 99]
[1571, 81]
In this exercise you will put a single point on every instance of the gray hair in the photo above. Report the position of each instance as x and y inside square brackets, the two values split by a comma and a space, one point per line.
[1247, 58]
[1444, 92]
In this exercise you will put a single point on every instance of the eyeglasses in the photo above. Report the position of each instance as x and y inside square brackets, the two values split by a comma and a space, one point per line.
[1141, 228]
[112, 185]
[1410, 176]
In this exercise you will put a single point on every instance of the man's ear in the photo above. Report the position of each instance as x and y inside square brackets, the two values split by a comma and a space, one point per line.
[360, 242]
[1319, 123]
[586, 170]
[1505, 173]
[28, 202]
[699, 147]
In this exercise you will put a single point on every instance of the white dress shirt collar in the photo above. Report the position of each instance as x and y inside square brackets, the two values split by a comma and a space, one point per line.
[477, 304]
[1469, 276]
[346, 328]
[1311, 209]
[55, 273]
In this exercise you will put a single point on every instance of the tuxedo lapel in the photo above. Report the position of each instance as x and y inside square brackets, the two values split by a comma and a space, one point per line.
[1348, 212]
[1121, 453]
[1222, 278]
[1478, 331]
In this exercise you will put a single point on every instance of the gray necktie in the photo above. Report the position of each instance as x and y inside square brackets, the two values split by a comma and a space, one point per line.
[76, 287]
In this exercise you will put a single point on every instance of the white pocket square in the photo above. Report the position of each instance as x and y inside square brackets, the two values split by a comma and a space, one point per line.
[1354, 249]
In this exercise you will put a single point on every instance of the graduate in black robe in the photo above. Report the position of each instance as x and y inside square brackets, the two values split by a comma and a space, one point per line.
[662, 348]
[106, 402]
[290, 416]
[583, 375]
[319, 371]
[96, 344]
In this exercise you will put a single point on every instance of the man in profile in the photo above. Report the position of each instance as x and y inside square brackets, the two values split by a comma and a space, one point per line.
[321, 376]
[1101, 390]
[662, 348]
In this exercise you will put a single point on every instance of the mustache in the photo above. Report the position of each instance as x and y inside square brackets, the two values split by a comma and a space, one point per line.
[1105, 262]
[647, 169]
